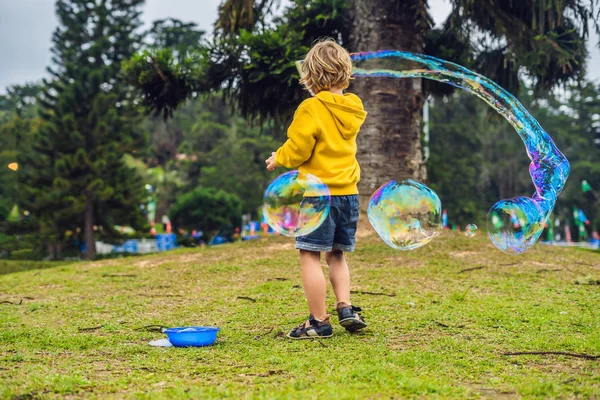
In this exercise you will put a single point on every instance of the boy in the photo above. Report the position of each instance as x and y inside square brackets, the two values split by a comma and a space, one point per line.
[322, 142]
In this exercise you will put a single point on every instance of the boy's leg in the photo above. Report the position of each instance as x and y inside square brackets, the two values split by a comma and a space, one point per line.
[339, 275]
[315, 285]
[313, 279]
[343, 241]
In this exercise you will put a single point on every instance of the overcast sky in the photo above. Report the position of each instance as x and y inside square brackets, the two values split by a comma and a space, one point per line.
[27, 25]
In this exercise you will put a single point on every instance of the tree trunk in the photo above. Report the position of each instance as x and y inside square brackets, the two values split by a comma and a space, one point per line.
[389, 145]
[88, 228]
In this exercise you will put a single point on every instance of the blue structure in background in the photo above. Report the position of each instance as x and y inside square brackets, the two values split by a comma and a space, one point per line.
[130, 246]
[218, 240]
[245, 238]
[166, 242]
[162, 242]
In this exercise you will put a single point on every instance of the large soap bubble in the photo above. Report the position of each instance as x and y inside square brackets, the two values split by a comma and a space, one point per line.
[295, 203]
[406, 215]
[514, 225]
[549, 168]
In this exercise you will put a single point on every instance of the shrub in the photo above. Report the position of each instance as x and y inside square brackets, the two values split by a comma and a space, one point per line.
[208, 209]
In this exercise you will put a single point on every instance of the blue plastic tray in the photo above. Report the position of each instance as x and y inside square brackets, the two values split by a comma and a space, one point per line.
[192, 336]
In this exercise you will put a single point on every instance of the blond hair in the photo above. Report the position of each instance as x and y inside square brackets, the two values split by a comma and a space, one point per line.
[326, 65]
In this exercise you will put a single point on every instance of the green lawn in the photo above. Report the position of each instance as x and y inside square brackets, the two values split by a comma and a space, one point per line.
[443, 318]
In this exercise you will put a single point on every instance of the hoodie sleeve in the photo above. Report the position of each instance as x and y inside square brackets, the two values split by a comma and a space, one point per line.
[302, 137]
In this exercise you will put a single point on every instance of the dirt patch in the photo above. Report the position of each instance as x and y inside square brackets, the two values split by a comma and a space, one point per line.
[464, 254]
[538, 264]
[404, 262]
[412, 340]
[148, 264]
[555, 365]
[50, 286]
[490, 393]
[280, 246]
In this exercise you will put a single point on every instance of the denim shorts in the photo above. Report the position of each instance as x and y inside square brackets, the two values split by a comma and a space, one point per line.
[338, 231]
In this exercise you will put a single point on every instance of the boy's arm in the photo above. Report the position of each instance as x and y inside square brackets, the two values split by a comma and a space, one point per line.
[302, 136]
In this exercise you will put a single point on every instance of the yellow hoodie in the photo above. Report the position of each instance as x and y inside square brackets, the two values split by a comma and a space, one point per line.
[322, 140]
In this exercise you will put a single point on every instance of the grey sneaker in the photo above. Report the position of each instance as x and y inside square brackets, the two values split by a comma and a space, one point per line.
[350, 318]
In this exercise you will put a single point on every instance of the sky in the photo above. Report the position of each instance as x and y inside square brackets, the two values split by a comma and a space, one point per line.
[26, 27]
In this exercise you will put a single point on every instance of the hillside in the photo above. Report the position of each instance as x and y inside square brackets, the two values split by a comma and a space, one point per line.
[440, 317]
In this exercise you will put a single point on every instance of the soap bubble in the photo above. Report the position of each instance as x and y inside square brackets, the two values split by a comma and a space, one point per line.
[406, 215]
[471, 230]
[514, 225]
[295, 203]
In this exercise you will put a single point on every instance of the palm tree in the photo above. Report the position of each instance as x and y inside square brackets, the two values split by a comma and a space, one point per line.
[241, 14]
[389, 142]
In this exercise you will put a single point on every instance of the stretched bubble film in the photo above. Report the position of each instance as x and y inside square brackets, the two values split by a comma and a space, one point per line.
[549, 168]
[296, 204]
[406, 215]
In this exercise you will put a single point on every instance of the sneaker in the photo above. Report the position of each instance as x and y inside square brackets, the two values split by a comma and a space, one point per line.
[312, 329]
[349, 317]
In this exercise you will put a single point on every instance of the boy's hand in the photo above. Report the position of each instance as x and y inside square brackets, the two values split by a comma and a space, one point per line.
[271, 162]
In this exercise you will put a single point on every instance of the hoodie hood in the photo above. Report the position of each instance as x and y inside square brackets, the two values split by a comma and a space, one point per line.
[347, 111]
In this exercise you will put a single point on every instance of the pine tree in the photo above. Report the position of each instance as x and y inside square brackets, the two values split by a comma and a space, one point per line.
[77, 166]
[18, 120]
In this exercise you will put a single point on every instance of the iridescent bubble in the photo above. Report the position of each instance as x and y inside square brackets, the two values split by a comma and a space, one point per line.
[471, 230]
[295, 203]
[514, 225]
[406, 215]
[549, 168]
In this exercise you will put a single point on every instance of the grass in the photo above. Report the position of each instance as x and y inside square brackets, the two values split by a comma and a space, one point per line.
[445, 315]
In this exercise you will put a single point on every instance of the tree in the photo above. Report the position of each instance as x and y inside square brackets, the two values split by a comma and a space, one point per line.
[166, 70]
[218, 149]
[459, 127]
[236, 163]
[574, 119]
[171, 33]
[208, 209]
[389, 141]
[177, 39]
[253, 61]
[476, 158]
[77, 174]
[18, 122]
